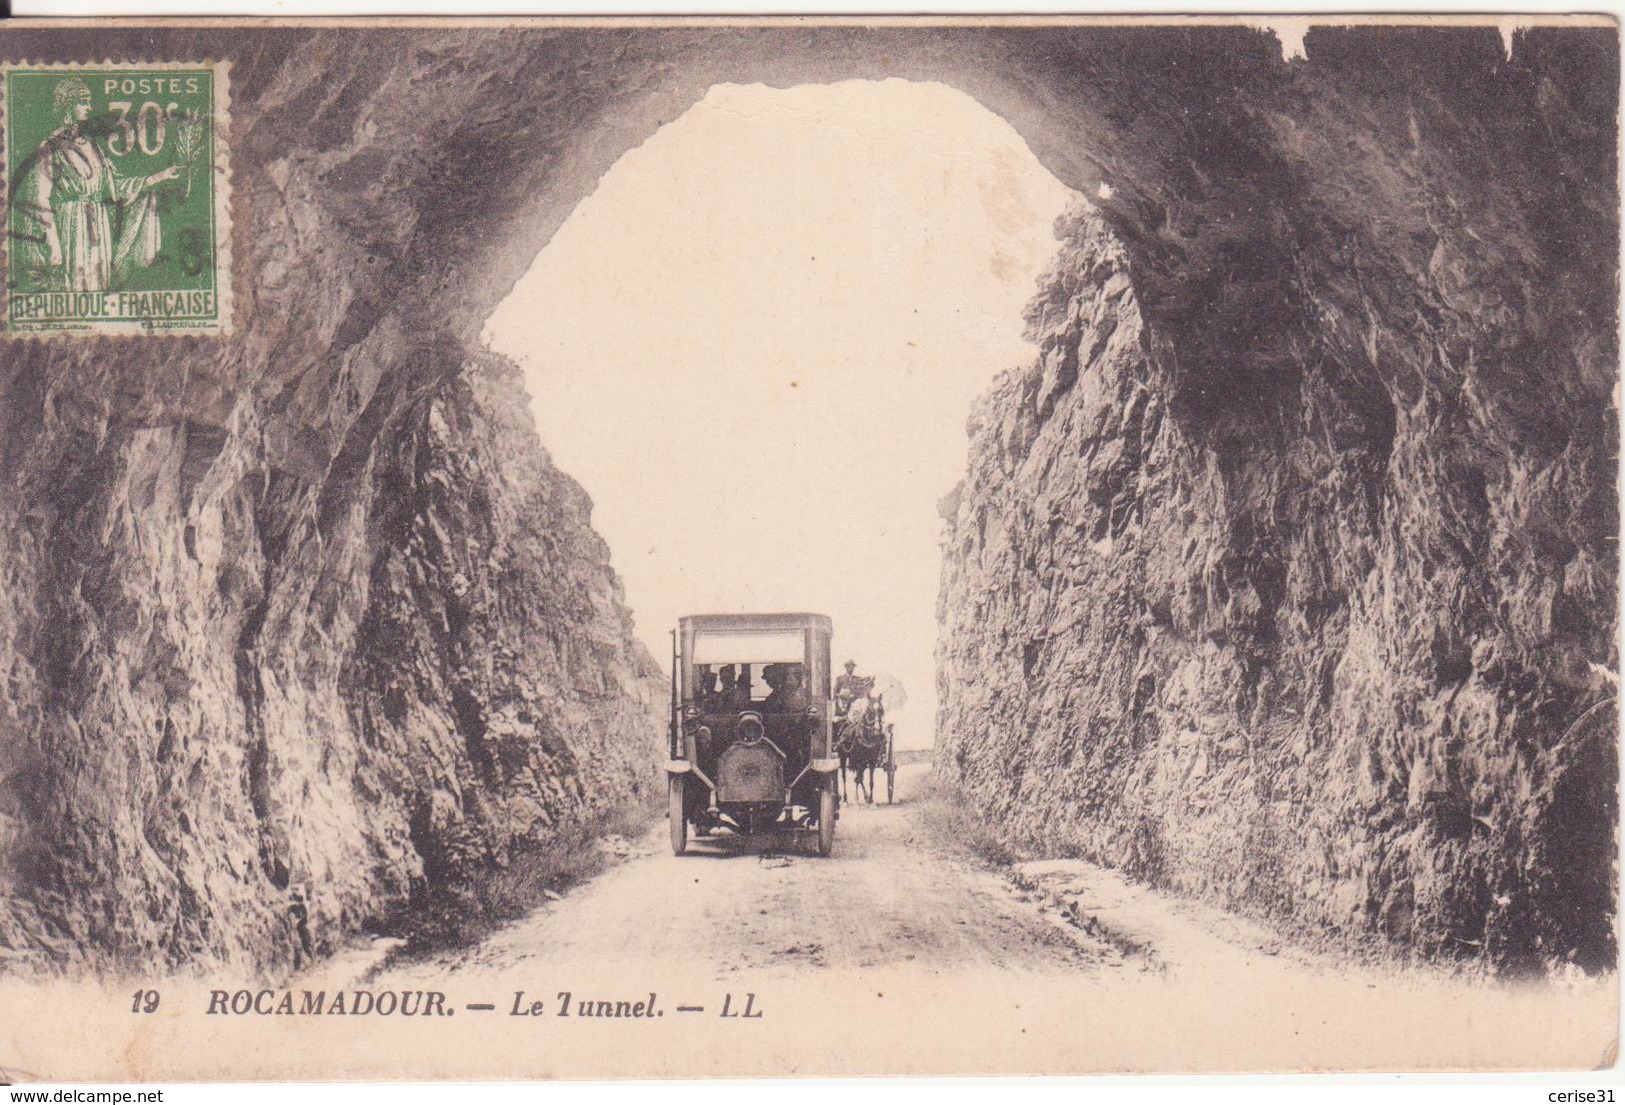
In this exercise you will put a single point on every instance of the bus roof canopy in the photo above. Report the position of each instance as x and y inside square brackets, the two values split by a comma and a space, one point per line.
[727, 623]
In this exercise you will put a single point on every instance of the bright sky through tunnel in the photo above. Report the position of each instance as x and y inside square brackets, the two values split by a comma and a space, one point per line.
[757, 342]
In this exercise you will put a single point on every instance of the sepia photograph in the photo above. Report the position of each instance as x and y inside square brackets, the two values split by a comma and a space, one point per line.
[790, 547]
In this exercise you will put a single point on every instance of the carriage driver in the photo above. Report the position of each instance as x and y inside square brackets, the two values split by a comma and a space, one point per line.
[847, 688]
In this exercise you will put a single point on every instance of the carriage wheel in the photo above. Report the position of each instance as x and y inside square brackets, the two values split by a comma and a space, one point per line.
[826, 818]
[677, 816]
[891, 763]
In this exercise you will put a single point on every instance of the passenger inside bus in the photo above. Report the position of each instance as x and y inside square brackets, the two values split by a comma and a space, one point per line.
[729, 687]
[788, 695]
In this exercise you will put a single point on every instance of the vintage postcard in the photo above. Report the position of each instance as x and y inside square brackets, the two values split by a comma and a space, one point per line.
[793, 547]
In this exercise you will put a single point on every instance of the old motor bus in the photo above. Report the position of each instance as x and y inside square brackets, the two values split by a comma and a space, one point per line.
[751, 748]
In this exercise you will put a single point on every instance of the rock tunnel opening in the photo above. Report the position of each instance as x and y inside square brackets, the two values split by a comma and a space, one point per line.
[757, 341]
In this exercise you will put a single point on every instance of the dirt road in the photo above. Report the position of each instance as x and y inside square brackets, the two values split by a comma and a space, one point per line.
[901, 954]
[890, 895]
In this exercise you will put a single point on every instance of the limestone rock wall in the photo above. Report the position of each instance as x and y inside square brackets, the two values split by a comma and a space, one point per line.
[255, 707]
[1342, 658]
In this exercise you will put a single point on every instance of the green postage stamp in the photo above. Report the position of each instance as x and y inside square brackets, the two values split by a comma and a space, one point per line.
[117, 199]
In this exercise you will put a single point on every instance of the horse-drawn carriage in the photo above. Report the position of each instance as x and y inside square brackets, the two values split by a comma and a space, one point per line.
[864, 740]
[751, 735]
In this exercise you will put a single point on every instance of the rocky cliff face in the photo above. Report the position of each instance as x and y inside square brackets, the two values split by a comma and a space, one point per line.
[263, 699]
[1341, 658]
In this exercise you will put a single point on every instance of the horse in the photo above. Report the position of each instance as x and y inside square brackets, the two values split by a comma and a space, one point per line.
[861, 743]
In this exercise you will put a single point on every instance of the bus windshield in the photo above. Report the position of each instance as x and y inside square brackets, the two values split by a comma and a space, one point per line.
[749, 670]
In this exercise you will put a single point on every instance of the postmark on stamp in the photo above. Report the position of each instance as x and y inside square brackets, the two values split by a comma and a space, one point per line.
[117, 189]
